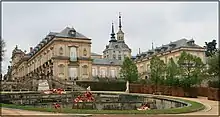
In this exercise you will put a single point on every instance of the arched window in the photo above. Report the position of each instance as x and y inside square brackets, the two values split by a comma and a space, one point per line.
[94, 72]
[85, 69]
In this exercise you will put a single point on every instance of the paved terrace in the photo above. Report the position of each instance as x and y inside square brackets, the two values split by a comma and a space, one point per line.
[211, 108]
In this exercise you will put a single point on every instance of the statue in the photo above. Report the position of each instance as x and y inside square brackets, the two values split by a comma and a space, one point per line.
[88, 89]
[127, 87]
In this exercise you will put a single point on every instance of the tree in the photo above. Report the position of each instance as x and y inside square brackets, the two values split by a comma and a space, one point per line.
[157, 70]
[191, 69]
[210, 48]
[213, 63]
[129, 70]
[172, 73]
[2, 47]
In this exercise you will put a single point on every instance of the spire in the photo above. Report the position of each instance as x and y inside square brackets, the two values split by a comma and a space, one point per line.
[152, 45]
[139, 51]
[113, 33]
[120, 33]
[120, 20]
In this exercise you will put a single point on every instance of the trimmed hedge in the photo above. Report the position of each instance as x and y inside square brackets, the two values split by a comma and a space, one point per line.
[103, 85]
[193, 92]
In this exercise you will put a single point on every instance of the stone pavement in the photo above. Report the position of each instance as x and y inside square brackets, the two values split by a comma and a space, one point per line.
[211, 108]
[9, 112]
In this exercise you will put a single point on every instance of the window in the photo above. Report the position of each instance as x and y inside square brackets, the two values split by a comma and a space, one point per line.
[113, 51]
[72, 73]
[142, 69]
[94, 72]
[114, 57]
[119, 51]
[119, 57]
[73, 54]
[61, 69]
[85, 69]
[103, 73]
[61, 51]
[112, 73]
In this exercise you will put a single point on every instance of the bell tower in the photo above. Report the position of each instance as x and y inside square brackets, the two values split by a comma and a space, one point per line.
[120, 34]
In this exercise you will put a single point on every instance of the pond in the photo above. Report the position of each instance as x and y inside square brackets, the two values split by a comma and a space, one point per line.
[103, 102]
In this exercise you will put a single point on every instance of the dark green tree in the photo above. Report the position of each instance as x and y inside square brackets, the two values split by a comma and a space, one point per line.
[210, 48]
[191, 69]
[172, 73]
[157, 70]
[213, 65]
[2, 47]
[129, 70]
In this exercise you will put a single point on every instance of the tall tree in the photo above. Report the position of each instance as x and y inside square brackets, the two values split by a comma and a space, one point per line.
[172, 73]
[129, 70]
[213, 64]
[157, 70]
[210, 48]
[2, 47]
[191, 69]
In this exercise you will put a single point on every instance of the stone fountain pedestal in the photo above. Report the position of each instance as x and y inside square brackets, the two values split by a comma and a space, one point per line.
[43, 85]
[127, 87]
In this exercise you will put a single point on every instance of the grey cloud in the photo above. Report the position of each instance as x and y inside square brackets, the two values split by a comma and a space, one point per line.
[25, 24]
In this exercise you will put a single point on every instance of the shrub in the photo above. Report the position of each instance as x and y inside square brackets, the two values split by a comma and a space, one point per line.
[214, 84]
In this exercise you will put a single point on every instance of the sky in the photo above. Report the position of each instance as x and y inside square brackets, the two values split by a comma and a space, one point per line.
[26, 23]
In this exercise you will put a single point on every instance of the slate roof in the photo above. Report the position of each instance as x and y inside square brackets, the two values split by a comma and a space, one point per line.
[64, 33]
[95, 54]
[178, 44]
[117, 45]
[105, 61]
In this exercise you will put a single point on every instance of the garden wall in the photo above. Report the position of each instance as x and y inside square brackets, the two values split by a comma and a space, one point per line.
[211, 93]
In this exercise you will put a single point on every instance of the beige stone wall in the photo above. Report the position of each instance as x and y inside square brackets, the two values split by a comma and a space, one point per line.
[83, 51]
[144, 65]
[109, 71]
[51, 50]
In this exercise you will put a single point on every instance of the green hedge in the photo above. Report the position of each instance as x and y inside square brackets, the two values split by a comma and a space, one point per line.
[103, 85]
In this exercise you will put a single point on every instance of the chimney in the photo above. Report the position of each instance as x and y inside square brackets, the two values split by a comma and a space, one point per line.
[31, 49]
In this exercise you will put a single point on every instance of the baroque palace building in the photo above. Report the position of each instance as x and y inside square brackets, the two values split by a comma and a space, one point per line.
[67, 55]
[166, 52]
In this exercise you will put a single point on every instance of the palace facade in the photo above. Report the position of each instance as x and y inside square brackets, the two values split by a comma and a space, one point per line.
[166, 52]
[67, 55]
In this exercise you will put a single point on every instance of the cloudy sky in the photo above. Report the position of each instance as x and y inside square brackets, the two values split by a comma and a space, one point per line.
[25, 24]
